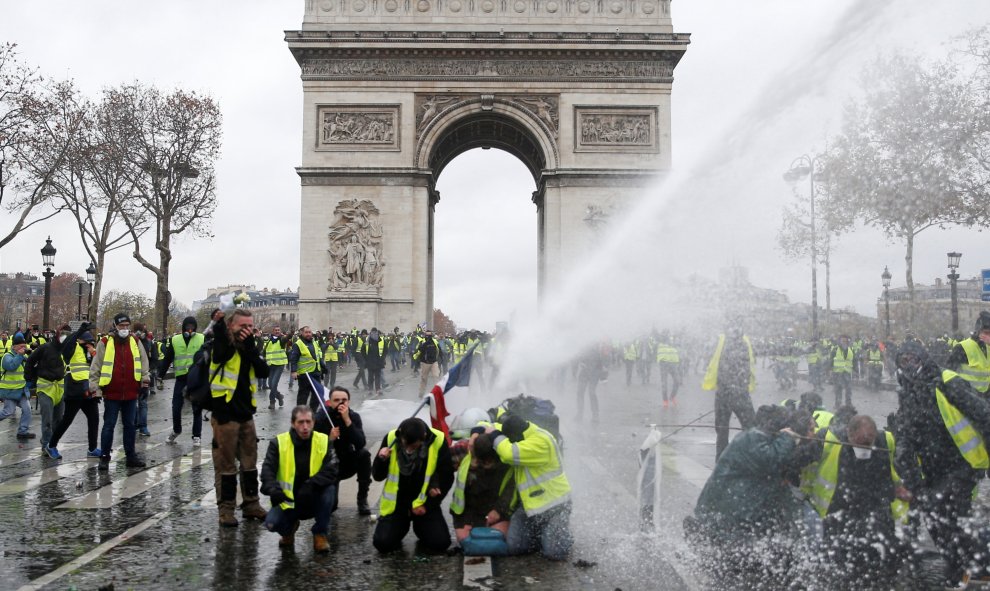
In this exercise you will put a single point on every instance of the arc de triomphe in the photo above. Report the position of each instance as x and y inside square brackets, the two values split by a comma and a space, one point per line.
[393, 90]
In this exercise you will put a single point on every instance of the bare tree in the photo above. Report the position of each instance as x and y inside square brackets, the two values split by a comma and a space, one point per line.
[170, 143]
[32, 142]
[904, 161]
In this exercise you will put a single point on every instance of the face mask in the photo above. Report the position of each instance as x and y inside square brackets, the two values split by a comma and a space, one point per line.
[862, 453]
[123, 332]
[188, 333]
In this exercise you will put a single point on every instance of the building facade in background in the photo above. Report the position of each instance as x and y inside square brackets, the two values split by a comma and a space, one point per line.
[22, 297]
[933, 308]
[271, 307]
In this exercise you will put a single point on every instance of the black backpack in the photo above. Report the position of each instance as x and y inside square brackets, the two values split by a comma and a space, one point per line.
[538, 411]
[197, 390]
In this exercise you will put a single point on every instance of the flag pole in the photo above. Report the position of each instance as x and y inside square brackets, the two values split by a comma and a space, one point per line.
[426, 400]
[323, 404]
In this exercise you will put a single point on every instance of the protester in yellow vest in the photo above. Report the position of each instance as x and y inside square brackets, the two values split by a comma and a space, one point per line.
[118, 372]
[484, 490]
[277, 357]
[13, 386]
[544, 492]
[77, 394]
[732, 374]
[180, 353]
[841, 362]
[300, 475]
[970, 358]
[5, 342]
[306, 365]
[941, 425]
[414, 461]
[45, 367]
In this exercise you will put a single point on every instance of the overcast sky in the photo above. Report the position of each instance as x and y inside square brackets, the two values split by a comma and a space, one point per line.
[761, 83]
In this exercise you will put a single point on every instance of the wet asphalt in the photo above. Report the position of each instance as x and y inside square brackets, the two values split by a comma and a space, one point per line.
[180, 545]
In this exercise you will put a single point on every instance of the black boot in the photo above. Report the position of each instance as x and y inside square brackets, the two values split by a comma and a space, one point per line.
[362, 497]
[228, 498]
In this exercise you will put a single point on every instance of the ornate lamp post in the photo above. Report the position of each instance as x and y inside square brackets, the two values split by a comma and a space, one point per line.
[48, 257]
[805, 166]
[90, 279]
[953, 278]
[885, 277]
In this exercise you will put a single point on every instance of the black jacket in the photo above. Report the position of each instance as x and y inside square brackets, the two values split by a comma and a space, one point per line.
[410, 486]
[921, 432]
[49, 360]
[240, 408]
[326, 476]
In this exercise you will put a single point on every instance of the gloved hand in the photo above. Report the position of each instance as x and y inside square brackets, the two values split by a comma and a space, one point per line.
[278, 497]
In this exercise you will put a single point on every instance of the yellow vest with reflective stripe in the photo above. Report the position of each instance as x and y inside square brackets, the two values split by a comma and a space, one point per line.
[53, 390]
[275, 353]
[183, 354]
[460, 484]
[390, 493]
[330, 354]
[977, 370]
[827, 477]
[667, 353]
[225, 381]
[287, 462]
[307, 363]
[78, 366]
[711, 375]
[823, 418]
[630, 353]
[876, 357]
[13, 380]
[106, 372]
[5, 346]
[842, 362]
[541, 484]
[381, 347]
[964, 435]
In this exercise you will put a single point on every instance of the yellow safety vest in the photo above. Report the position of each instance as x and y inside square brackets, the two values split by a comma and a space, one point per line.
[667, 353]
[417, 354]
[460, 483]
[78, 366]
[53, 390]
[307, 362]
[828, 476]
[977, 370]
[287, 462]
[630, 353]
[541, 484]
[183, 354]
[330, 354]
[390, 493]
[13, 380]
[5, 346]
[842, 363]
[275, 353]
[381, 347]
[459, 350]
[823, 418]
[106, 372]
[224, 382]
[964, 435]
[711, 375]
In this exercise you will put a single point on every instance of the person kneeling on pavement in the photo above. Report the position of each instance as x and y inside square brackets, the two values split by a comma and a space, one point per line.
[346, 431]
[533, 453]
[483, 498]
[415, 463]
[300, 475]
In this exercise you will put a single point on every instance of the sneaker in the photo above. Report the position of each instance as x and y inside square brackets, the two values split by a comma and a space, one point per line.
[144, 432]
[52, 453]
[197, 441]
[136, 462]
[94, 453]
[23, 436]
[171, 438]
[104, 464]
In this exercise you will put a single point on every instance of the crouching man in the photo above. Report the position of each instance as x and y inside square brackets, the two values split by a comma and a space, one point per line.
[415, 463]
[300, 476]
[545, 493]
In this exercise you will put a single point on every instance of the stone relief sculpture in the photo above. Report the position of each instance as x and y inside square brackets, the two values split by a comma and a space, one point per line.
[428, 108]
[597, 129]
[544, 107]
[341, 127]
[356, 259]
[439, 68]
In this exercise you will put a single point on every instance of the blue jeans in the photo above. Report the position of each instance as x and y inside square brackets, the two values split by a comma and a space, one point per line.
[128, 411]
[177, 401]
[274, 375]
[10, 407]
[548, 532]
[281, 521]
[142, 411]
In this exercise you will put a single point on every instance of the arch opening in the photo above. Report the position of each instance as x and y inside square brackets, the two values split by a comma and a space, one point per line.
[488, 129]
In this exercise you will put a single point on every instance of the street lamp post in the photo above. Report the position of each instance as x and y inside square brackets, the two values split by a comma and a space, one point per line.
[90, 279]
[801, 166]
[953, 278]
[885, 277]
[79, 291]
[48, 257]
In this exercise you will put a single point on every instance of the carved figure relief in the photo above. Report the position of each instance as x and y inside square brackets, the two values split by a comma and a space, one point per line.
[544, 107]
[429, 107]
[443, 69]
[616, 129]
[351, 126]
[357, 262]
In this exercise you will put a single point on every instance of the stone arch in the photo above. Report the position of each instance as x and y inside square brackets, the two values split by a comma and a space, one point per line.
[487, 123]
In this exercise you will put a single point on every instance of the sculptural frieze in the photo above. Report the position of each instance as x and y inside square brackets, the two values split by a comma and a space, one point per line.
[348, 126]
[430, 106]
[472, 69]
[357, 261]
[621, 128]
[543, 107]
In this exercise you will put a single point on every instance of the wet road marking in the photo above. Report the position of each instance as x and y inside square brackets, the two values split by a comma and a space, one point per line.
[477, 572]
[689, 470]
[102, 549]
[34, 452]
[135, 484]
[23, 484]
[606, 480]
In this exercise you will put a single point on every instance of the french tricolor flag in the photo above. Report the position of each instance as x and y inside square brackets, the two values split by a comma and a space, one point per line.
[459, 375]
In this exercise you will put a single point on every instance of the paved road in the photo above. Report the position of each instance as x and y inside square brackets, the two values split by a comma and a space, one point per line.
[66, 525]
